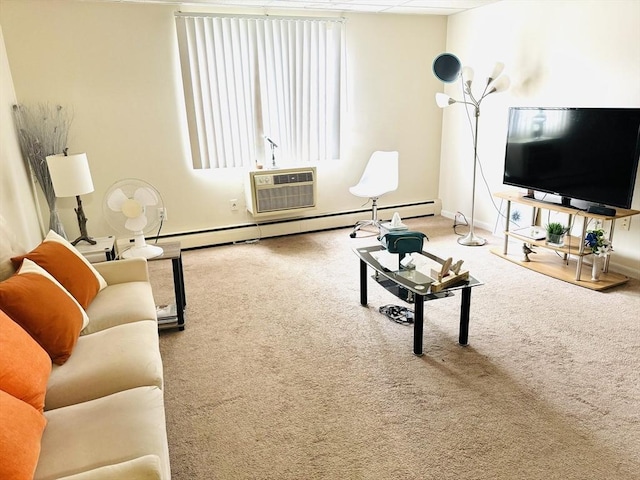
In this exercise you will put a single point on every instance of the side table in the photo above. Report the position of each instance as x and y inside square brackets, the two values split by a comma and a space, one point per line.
[103, 250]
[171, 316]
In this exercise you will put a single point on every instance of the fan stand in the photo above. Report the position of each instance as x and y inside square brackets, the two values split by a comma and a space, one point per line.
[142, 249]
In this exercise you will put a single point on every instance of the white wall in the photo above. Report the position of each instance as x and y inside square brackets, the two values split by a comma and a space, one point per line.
[17, 206]
[561, 53]
[116, 65]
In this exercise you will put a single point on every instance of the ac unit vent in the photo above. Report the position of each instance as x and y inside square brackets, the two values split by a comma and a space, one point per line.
[306, 176]
[283, 193]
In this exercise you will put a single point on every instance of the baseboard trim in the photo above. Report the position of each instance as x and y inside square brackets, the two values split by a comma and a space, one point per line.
[289, 226]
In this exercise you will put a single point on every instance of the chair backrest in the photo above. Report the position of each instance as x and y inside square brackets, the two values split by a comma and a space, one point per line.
[381, 174]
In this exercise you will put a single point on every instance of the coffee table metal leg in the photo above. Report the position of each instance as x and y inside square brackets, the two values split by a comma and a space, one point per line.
[363, 283]
[465, 308]
[418, 324]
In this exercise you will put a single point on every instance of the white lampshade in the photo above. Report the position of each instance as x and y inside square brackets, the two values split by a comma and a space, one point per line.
[467, 75]
[497, 70]
[500, 84]
[70, 174]
[443, 100]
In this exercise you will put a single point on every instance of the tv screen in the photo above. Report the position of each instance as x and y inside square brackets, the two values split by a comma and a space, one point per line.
[588, 154]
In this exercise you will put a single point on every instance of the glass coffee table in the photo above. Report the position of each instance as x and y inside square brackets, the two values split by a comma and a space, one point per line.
[413, 286]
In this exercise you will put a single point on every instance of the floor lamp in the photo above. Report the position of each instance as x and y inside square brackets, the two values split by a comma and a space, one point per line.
[71, 177]
[447, 68]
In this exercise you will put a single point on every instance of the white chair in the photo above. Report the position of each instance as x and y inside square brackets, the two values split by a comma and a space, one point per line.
[379, 177]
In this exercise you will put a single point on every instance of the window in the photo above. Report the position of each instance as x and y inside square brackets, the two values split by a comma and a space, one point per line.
[248, 78]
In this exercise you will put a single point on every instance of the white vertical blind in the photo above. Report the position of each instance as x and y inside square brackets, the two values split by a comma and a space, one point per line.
[250, 77]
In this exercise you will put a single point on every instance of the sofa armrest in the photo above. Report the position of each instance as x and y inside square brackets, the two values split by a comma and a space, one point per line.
[125, 270]
[142, 468]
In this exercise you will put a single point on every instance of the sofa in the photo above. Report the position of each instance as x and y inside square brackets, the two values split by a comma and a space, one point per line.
[81, 380]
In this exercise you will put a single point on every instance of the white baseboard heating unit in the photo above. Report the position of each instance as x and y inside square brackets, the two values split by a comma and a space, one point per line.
[279, 192]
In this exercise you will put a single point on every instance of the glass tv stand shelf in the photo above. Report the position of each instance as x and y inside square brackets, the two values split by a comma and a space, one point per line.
[565, 262]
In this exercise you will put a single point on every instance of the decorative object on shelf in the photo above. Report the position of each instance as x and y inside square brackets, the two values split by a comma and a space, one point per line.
[43, 130]
[600, 247]
[448, 69]
[599, 244]
[555, 233]
[596, 269]
[527, 250]
[71, 177]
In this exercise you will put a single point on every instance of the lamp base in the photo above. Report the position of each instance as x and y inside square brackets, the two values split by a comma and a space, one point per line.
[471, 240]
[85, 238]
[82, 225]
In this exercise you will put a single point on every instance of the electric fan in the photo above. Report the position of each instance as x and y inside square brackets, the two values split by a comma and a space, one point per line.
[134, 207]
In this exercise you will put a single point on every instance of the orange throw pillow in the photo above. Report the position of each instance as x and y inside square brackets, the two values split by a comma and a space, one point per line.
[21, 428]
[24, 365]
[67, 268]
[35, 301]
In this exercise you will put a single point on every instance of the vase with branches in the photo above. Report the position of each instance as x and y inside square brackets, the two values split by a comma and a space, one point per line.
[43, 130]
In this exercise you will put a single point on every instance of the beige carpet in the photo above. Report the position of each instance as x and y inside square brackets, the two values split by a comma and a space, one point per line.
[281, 374]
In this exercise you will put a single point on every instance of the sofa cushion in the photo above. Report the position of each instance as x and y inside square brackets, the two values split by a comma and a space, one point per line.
[24, 365]
[105, 431]
[74, 272]
[119, 304]
[21, 428]
[37, 302]
[143, 468]
[105, 362]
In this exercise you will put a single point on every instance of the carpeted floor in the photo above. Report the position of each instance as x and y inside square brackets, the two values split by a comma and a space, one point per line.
[281, 374]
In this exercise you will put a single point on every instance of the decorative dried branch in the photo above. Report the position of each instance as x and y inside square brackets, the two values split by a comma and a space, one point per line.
[43, 130]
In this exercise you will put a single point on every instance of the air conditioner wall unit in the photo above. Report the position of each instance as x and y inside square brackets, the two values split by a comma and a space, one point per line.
[283, 191]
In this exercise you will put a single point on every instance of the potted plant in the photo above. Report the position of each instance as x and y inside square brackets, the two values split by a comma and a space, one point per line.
[555, 233]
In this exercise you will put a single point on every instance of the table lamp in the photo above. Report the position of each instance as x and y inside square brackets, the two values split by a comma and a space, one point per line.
[71, 177]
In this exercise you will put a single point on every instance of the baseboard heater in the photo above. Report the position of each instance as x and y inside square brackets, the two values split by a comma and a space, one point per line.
[313, 223]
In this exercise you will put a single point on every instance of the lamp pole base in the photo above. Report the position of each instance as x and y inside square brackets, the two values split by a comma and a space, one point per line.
[472, 240]
[82, 224]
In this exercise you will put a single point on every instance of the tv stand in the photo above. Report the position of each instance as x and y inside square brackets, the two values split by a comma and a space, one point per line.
[565, 262]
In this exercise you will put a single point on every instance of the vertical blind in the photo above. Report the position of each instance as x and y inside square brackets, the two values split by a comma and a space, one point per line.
[247, 78]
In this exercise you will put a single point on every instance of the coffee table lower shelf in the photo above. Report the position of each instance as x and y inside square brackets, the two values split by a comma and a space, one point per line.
[552, 265]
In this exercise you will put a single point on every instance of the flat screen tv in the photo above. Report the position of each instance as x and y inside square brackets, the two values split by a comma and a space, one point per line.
[584, 154]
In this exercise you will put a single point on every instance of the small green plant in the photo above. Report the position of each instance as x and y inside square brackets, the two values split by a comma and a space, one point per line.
[555, 233]
[556, 228]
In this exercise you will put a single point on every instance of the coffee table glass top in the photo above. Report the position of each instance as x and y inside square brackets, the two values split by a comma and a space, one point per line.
[416, 280]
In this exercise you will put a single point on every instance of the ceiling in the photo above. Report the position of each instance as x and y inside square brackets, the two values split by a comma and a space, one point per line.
[410, 7]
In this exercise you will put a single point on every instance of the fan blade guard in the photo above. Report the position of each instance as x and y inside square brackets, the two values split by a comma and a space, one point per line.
[133, 206]
[145, 196]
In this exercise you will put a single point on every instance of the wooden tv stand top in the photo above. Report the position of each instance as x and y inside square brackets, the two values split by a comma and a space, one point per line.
[524, 200]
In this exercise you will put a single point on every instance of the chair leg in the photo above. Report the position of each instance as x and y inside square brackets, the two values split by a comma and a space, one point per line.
[374, 222]
[374, 210]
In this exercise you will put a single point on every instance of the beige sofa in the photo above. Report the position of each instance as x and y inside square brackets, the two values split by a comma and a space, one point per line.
[103, 405]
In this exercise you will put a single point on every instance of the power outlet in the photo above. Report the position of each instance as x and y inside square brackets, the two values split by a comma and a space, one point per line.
[233, 203]
[163, 214]
[599, 224]
[625, 223]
